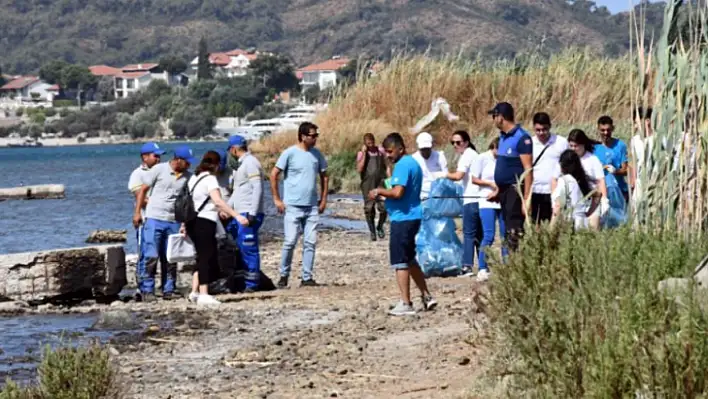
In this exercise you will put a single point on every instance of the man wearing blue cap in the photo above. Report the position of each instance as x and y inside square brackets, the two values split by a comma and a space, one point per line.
[247, 200]
[150, 154]
[164, 182]
[515, 160]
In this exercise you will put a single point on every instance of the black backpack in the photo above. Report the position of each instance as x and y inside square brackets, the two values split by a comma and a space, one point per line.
[184, 204]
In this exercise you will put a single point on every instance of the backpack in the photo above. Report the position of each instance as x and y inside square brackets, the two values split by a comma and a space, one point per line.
[184, 204]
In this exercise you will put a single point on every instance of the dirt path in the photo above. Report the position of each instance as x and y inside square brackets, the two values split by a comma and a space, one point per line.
[332, 341]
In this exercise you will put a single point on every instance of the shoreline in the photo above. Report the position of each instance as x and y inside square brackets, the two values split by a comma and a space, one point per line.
[92, 141]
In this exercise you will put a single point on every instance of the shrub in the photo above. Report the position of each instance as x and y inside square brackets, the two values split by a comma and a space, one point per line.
[63, 112]
[342, 172]
[19, 112]
[268, 111]
[64, 103]
[38, 118]
[49, 112]
[583, 315]
[70, 373]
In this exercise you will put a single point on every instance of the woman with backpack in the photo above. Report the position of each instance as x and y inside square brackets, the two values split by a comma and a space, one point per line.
[208, 202]
[572, 188]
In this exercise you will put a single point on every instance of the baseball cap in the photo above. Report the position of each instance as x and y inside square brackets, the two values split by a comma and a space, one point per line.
[151, 148]
[504, 109]
[236, 140]
[185, 153]
[424, 140]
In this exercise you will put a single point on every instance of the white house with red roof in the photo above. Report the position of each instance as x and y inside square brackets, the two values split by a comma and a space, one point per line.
[322, 74]
[30, 88]
[134, 77]
[229, 63]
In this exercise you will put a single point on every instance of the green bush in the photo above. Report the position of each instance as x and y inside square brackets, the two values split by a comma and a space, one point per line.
[70, 373]
[38, 118]
[583, 314]
[342, 172]
[49, 112]
[64, 103]
[19, 112]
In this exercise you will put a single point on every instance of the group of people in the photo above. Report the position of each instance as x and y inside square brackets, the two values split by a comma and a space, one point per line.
[227, 200]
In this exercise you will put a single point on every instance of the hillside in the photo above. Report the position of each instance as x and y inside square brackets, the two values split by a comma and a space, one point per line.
[117, 32]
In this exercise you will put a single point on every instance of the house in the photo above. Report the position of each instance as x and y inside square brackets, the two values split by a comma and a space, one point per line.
[134, 77]
[323, 74]
[104, 70]
[229, 63]
[30, 88]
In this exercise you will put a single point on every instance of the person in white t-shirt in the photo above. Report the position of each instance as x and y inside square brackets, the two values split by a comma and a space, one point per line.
[471, 224]
[208, 202]
[569, 195]
[547, 148]
[489, 211]
[432, 162]
[642, 146]
[579, 142]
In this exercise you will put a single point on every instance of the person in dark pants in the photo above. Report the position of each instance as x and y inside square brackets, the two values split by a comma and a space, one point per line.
[547, 149]
[372, 167]
[514, 161]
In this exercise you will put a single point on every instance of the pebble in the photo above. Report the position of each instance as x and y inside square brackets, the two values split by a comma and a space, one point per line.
[463, 361]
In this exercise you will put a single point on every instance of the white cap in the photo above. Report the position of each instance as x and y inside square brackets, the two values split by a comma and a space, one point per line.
[424, 140]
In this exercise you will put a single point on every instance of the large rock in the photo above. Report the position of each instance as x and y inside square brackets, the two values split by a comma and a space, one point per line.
[107, 236]
[35, 277]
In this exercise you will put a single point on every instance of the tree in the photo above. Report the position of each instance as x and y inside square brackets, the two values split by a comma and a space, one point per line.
[105, 89]
[172, 64]
[77, 77]
[156, 89]
[2, 78]
[52, 71]
[274, 71]
[203, 64]
[201, 89]
[191, 120]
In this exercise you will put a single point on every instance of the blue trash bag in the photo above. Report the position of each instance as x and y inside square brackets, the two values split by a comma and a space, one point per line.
[617, 214]
[438, 249]
[444, 200]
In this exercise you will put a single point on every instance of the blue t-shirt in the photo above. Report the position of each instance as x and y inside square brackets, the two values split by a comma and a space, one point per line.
[511, 146]
[301, 169]
[615, 154]
[406, 173]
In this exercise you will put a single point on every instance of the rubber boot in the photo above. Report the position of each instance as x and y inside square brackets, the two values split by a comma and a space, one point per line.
[382, 223]
[372, 227]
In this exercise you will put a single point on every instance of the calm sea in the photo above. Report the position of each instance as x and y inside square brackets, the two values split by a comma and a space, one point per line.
[97, 196]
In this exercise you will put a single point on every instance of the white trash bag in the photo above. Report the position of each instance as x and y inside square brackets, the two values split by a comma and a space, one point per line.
[180, 249]
[438, 105]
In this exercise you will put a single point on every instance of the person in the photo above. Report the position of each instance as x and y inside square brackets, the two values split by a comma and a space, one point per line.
[642, 145]
[547, 148]
[489, 211]
[514, 160]
[579, 142]
[403, 204]
[206, 195]
[612, 153]
[373, 170]
[432, 162]
[150, 155]
[247, 200]
[301, 165]
[164, 181]
[571, 191]
[471, 223]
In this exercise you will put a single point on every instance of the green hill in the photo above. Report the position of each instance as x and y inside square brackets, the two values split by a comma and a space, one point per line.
[118, 32]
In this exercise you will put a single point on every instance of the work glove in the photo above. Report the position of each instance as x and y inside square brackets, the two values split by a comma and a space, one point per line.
[610, 169]
[604, 206]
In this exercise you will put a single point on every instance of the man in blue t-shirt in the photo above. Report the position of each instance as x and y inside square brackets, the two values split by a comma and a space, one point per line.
[514, 160]
[405, 211]
[612, 153]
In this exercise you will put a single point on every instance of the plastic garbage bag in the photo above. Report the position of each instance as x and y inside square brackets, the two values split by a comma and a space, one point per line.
[231, 276]
[617, 214]
[438, 249]
[180, 249]
[444, 200]
[436, 107]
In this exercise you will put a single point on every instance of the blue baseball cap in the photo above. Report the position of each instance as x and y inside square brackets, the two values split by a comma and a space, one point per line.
[151, 148]
[184, 152]
[504, 109]
[236, 140]
[223, 155]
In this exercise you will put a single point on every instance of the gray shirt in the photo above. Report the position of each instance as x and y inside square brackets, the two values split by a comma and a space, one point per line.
[247, 196]
[301, 169]
[165, 184]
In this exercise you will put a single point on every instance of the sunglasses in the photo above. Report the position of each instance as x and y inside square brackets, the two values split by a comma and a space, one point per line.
[455, 142]
[314, 136]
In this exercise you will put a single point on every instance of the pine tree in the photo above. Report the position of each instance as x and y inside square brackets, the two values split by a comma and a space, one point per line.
[203, 66]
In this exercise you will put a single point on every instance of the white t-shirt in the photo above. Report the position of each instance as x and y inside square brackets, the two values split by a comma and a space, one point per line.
[591, 165]
[569, 196]
[436, 163]
[484, 170]
[465, 164]
[201, 193]
[544, 169]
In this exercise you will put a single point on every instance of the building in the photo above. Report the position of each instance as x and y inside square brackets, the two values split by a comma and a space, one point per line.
[230, 63]
[104, 70]
[323, 74]
[30, 88]
[134, 77]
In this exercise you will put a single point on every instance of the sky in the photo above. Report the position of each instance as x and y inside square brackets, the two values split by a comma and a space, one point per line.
[616, 5]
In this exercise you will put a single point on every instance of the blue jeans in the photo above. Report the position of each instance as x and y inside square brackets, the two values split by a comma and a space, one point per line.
[489, 226]
[155, 233]
[472, 232]
[299, 219]
[246, 238]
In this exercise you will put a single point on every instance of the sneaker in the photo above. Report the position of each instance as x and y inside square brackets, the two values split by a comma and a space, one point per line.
[381, 233]
[207, 300]
[483, 275]
[283, 282]
[309, 283]
[193, 297]
[466, 272]
[168, 296]
[429, 303]
[148, 297]
[402, 309]
[249, 290]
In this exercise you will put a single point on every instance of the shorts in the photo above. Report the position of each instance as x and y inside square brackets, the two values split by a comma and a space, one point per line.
[401, 244]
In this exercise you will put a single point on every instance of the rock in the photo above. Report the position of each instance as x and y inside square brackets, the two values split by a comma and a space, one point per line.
[13, 307]
[113, 351]
[45, 191]
[463, 361]
[116, 320]
[107, 236]
[45, 308]
[63, 273]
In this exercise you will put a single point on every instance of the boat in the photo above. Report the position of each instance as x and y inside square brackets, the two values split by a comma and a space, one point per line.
[26, 143]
